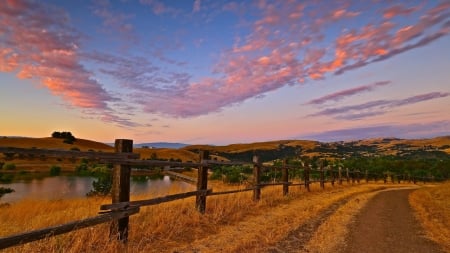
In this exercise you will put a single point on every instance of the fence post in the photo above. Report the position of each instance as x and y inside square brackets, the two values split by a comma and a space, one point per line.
[340, 175]
[333, 176]
[385, 177]
[347, 175]
[322, 177]
[358, 176]
[285, 178]
[121, 189]
[202, 182]
[306, 176]
[366, 175]
[256, 179]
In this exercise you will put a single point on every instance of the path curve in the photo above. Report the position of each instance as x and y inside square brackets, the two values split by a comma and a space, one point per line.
[387, 224]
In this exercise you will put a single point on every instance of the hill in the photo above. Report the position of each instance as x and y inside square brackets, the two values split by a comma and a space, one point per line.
[160, 145]
[438, 147]
[54, 143]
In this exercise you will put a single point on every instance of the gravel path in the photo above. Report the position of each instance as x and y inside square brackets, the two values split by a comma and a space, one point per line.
[387, 224]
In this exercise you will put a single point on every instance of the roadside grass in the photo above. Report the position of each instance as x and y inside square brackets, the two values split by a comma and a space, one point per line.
[232, 223]
[432, 209]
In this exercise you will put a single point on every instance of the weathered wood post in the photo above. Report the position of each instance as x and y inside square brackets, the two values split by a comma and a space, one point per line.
[306, 176]
[333, 176]
[121, 189]
[340, 175]
[366, 176]
[285, 178]
[385, 177]
[347, 175]
[256, 178]
[358, 176]
[322, 177]
[202, 182]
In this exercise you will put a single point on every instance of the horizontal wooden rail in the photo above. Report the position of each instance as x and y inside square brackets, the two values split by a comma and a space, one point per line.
[155, 201]
[214, 162]
[280, 183]
[230, 192]
[35, 235]
[180, 176]
[155, 163]
[69, 153]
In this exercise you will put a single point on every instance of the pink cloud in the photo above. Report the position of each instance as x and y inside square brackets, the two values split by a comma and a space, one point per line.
[377, 107]
[287, 44]
[37, 42]
[159, 8]
[115, 22]
[345, 93]
[197, 6]
[397, 10]
[280, 51]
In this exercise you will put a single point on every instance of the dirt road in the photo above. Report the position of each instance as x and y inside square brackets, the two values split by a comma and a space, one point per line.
[387, 224]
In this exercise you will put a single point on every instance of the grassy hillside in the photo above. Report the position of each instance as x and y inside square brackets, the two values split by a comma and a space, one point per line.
[54, 143]
[438, 147]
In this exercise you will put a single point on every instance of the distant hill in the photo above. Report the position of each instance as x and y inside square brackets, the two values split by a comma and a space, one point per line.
[54, 143]
[438, 147]
[161, 145]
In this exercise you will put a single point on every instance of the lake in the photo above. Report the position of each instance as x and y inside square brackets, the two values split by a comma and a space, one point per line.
[69, 186]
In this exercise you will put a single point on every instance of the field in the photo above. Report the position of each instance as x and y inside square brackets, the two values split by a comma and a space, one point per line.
[232, 223]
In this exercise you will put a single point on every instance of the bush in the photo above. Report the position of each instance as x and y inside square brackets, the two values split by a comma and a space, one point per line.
[4, 191]
[9, 166]
[103, 183]
[55, 170]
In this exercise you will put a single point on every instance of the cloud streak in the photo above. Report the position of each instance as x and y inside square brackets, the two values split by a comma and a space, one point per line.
[411, 131]
[376, 107]
[337, 96]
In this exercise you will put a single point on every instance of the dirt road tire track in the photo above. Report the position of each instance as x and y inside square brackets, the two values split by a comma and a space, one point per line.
[387, 224]
[297, 239]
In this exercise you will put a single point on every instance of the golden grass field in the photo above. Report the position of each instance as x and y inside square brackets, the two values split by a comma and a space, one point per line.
[432, 209]
[232, 223]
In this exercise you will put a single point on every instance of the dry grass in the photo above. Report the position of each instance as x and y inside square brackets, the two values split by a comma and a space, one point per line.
[232, 223]
[432, 209]
[53, 143]
[166, 153]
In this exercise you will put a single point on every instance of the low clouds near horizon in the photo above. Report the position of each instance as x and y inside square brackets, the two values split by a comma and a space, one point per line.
[406, 131]
[286, 44]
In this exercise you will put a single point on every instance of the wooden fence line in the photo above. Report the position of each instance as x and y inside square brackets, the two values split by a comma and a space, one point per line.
[121, 208]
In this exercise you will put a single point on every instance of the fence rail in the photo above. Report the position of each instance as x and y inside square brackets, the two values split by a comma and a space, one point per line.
[121, 208]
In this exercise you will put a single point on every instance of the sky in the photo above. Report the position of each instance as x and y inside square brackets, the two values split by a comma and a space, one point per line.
[222, 72]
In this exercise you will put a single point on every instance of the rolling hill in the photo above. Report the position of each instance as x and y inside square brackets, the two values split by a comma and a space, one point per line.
[267, 151]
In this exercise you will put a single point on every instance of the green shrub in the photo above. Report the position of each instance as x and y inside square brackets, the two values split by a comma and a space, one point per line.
[4, 191]
[9, 166]
[55, 170]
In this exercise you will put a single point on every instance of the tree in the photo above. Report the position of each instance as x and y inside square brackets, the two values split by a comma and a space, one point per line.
[67, 136]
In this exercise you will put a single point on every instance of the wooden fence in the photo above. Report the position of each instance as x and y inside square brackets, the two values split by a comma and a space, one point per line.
[118, 212]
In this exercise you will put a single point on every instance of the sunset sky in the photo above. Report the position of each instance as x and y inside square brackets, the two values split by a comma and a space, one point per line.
[221, 72]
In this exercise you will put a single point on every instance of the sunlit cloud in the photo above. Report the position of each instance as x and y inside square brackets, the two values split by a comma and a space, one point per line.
[37, 42]
[345, 93]
[376, 107]
[425, 130]
[114, 22]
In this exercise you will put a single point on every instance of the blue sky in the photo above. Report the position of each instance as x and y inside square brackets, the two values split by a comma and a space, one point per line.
[221, 72]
